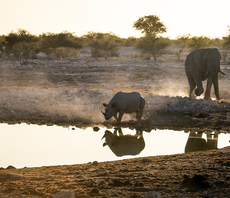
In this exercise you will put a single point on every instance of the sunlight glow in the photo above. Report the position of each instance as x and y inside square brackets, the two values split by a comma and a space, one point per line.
[206, 17]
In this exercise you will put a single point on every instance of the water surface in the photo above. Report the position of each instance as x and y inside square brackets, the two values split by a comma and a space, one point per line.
[23, 145]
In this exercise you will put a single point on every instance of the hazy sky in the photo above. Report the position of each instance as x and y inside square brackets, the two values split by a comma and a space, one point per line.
[195, 17]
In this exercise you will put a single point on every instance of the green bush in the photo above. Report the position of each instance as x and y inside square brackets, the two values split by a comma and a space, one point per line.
[198, 42]
[181, 42]
[63, 39]
[59, 44]
[23, 50]
[18, 37]
[152, 45]
[103, 44]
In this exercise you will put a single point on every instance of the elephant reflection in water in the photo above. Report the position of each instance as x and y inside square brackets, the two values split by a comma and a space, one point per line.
[197, 143]
[124, 144]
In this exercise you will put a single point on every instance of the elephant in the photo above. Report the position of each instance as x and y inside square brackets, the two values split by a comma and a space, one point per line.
[200, 65]
[197, 143]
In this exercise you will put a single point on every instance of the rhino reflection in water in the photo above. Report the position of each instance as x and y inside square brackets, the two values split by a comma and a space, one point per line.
[124, 144]
[197, 143]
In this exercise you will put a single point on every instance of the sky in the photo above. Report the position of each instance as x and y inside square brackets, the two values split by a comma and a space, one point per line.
[195, 17]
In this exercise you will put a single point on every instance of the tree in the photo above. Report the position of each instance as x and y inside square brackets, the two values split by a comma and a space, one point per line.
[130, 41]
[52, 42]
[226, 40]
[226, 45]
[181, 41]
[23, 50]
[103, 44]
[151, 43]
[18, 37]
[63, 39]
[20, 43]
[150, 25]
[2, 45]
[199, 42]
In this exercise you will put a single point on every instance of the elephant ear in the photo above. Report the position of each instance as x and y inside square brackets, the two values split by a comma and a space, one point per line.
[217, 52]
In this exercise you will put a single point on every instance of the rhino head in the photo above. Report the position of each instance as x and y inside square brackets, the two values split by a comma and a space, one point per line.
[109, 111]
[109, 138]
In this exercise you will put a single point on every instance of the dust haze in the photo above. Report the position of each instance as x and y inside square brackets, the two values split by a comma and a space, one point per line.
[74, 90]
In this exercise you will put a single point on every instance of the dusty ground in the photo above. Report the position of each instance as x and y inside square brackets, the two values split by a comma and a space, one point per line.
[200, 174]
[71, 92]
[67, 92]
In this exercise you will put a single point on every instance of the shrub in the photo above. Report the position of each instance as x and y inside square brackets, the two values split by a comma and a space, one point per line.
[103, 44]
[198, 42]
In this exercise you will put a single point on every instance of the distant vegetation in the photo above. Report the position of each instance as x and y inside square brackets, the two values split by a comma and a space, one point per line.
[151, 43]
[102, 44]
[23, 45]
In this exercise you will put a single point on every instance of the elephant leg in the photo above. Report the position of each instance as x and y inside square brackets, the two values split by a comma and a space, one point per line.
[214, 81]
[216, 87]
[208, 89]
[212, 141]
[192, 85]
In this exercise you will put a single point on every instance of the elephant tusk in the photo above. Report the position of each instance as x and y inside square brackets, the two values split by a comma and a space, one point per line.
[222, 72]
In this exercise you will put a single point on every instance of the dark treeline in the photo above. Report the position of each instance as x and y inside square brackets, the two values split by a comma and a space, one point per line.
[23, 44]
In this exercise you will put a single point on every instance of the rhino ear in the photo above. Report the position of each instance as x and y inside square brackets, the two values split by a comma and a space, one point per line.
[105, 105]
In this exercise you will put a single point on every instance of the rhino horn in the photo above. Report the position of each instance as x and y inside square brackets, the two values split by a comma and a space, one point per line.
[103, 137]
[103, 113]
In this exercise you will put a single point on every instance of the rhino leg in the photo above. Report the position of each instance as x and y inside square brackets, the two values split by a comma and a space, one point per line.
[121, 113]
[118, 129]
[115, 116]
[138, 114]
[141, 108]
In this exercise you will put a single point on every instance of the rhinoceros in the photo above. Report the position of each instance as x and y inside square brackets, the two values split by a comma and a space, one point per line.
[123, 102]
[124, 144]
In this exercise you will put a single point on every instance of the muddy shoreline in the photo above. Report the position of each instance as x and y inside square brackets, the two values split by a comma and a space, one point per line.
[199, 174]
[218, 121]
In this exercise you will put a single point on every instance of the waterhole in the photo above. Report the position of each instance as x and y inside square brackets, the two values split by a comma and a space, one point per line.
[24, 145]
